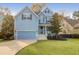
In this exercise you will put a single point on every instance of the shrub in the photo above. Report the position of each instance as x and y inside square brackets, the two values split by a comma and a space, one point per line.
[8, 36]
[56, 37]
[62, 36]
[8, 27]
[1, 36]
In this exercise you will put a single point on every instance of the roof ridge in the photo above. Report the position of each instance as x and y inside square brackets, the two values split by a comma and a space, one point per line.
[42, 10]
[23, 9]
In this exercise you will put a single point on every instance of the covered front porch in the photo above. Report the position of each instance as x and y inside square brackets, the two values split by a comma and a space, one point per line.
[43, 30]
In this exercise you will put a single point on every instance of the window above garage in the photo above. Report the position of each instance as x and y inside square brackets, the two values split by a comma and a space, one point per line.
[27, 16]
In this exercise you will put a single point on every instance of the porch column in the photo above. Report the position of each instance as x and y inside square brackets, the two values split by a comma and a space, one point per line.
[45, 30]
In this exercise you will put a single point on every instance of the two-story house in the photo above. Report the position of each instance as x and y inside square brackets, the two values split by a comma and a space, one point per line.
[29, 25]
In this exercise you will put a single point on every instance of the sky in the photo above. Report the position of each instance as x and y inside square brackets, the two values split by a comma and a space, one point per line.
[67, 8]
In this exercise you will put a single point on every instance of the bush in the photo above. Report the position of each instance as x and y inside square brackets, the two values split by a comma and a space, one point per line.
[70, 35]
[8, 36]
[8, 27]
[62, 36]
[56, 37]
[1, 36]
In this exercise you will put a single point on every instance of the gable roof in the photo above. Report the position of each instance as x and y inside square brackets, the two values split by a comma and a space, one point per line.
[72, 22]
[48, 9]
[41, 13]
[77, 25]
[37, 7]
[24, 9]
[43, 10]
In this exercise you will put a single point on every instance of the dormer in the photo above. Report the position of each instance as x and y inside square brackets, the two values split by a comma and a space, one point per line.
[47, 12]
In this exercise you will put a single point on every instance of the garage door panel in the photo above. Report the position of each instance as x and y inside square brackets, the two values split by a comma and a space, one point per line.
[26, 35]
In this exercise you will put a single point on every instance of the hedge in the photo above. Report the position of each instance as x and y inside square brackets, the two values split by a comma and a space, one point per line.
[63, 36]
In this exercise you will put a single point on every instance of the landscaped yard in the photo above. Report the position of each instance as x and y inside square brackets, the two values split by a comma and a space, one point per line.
[52, 47]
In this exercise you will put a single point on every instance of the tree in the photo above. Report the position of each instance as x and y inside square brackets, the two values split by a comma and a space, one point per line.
[76, 14]
[4, 10]
[8, 27]
[55, 23]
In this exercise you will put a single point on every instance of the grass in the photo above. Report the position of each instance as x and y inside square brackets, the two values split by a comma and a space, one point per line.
[1, 40]
[52, 47]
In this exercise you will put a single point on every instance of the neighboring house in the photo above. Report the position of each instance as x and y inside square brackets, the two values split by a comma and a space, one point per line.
[26, 24]
[66, 26]
[76, 27]
[70, 26]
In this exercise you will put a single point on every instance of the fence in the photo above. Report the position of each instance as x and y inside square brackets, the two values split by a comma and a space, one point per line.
[63, 36]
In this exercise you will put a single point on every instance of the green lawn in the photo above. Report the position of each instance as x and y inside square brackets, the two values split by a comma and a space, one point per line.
[52, 47]
[1, 40]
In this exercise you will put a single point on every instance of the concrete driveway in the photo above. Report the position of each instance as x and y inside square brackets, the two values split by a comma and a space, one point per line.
[12, 47]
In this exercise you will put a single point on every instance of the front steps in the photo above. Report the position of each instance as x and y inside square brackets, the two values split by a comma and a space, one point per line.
[42, 37]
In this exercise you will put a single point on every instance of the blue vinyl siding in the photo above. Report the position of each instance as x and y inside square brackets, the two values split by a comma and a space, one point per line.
[26, 24]
[26, 35]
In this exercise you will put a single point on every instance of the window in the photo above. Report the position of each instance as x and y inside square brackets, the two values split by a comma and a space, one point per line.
[43, 19]
[39, 21]
[27, 16]
[41, 27]
[41, 30]
[23, 17]
[47, 11]
[46, 20]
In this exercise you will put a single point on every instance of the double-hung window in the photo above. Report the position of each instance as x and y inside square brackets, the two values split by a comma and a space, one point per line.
[47, 11]
[26, 16]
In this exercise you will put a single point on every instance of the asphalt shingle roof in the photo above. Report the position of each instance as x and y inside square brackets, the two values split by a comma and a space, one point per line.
[73, 22]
